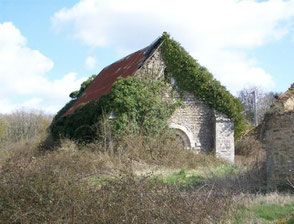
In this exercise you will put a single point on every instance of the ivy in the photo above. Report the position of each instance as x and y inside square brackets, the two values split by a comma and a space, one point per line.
[57, 125]
[84, 85]
[140, 104]
[196, 79]
[137, 104]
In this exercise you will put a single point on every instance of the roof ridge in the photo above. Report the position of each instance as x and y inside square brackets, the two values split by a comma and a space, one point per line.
[125, 57]
[150, 48]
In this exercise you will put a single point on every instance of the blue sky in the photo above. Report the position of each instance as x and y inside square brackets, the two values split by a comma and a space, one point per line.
[48, 47]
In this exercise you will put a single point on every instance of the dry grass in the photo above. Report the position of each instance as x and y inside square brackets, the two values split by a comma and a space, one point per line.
[272, 198]
[249, 146]
[114, 183]
[74, 186]
[163, 152]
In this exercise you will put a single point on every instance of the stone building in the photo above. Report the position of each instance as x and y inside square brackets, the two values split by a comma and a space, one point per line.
[199, 127]
[278, 136]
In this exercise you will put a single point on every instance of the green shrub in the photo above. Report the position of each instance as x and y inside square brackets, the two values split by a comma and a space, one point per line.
[84, 85]
[136, 104]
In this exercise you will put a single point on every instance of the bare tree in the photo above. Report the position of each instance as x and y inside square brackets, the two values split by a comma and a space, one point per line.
[25, 124]
[264, 101]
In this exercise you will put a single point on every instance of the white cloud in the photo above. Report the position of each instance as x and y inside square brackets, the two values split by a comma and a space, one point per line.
[23, 75]
[91, 63]
[218, 33]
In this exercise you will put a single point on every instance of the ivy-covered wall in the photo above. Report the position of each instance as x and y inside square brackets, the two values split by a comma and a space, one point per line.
[140, 102]
[136, 103]
[197, 80]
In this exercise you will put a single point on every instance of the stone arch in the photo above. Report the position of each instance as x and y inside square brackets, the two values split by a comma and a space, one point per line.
[185, 134]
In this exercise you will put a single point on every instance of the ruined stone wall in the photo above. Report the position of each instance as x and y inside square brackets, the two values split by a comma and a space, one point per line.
[198, 119]
[224, 137]
[153, 68]
[194, 118]
[279, 143]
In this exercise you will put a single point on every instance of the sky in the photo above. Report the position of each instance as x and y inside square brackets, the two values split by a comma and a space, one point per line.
[49, 47]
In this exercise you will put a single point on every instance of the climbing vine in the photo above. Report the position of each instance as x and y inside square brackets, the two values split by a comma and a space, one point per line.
[84, 85]
[137, 104]
[196, 79]
[141, 104]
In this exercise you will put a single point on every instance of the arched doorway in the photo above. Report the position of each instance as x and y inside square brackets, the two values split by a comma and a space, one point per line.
[184, 136]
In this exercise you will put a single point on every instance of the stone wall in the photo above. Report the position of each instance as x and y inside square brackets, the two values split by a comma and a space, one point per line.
[279, 143]
[153, 68]
[224, 138]
[195, 122]
[198, 119]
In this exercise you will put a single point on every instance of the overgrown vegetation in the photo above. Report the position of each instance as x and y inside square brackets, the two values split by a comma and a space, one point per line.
[90, 184]
[196, 79]
[76, 94]
[271, 208]
[137, 104]
[139, 180]
[131, 169]
[56, 188]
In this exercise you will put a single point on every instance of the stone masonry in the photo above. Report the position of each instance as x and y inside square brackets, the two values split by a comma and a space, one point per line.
[200, 127]
[279, 141]
[224, 137]
[197, 119]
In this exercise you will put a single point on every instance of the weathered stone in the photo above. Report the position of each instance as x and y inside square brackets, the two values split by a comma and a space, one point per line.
[279, 148]
[200, 127]
[279, 140]
[224, 137]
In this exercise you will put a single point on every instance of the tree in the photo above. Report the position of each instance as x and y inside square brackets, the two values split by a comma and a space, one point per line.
[263, 101]
[25, 124]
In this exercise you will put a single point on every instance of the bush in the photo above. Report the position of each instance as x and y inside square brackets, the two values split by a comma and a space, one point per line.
[249, 146]
[135, 103]
[66, 186]
[162, 150]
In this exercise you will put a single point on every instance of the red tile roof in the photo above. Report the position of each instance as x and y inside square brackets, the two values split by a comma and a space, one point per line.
[102, 84]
